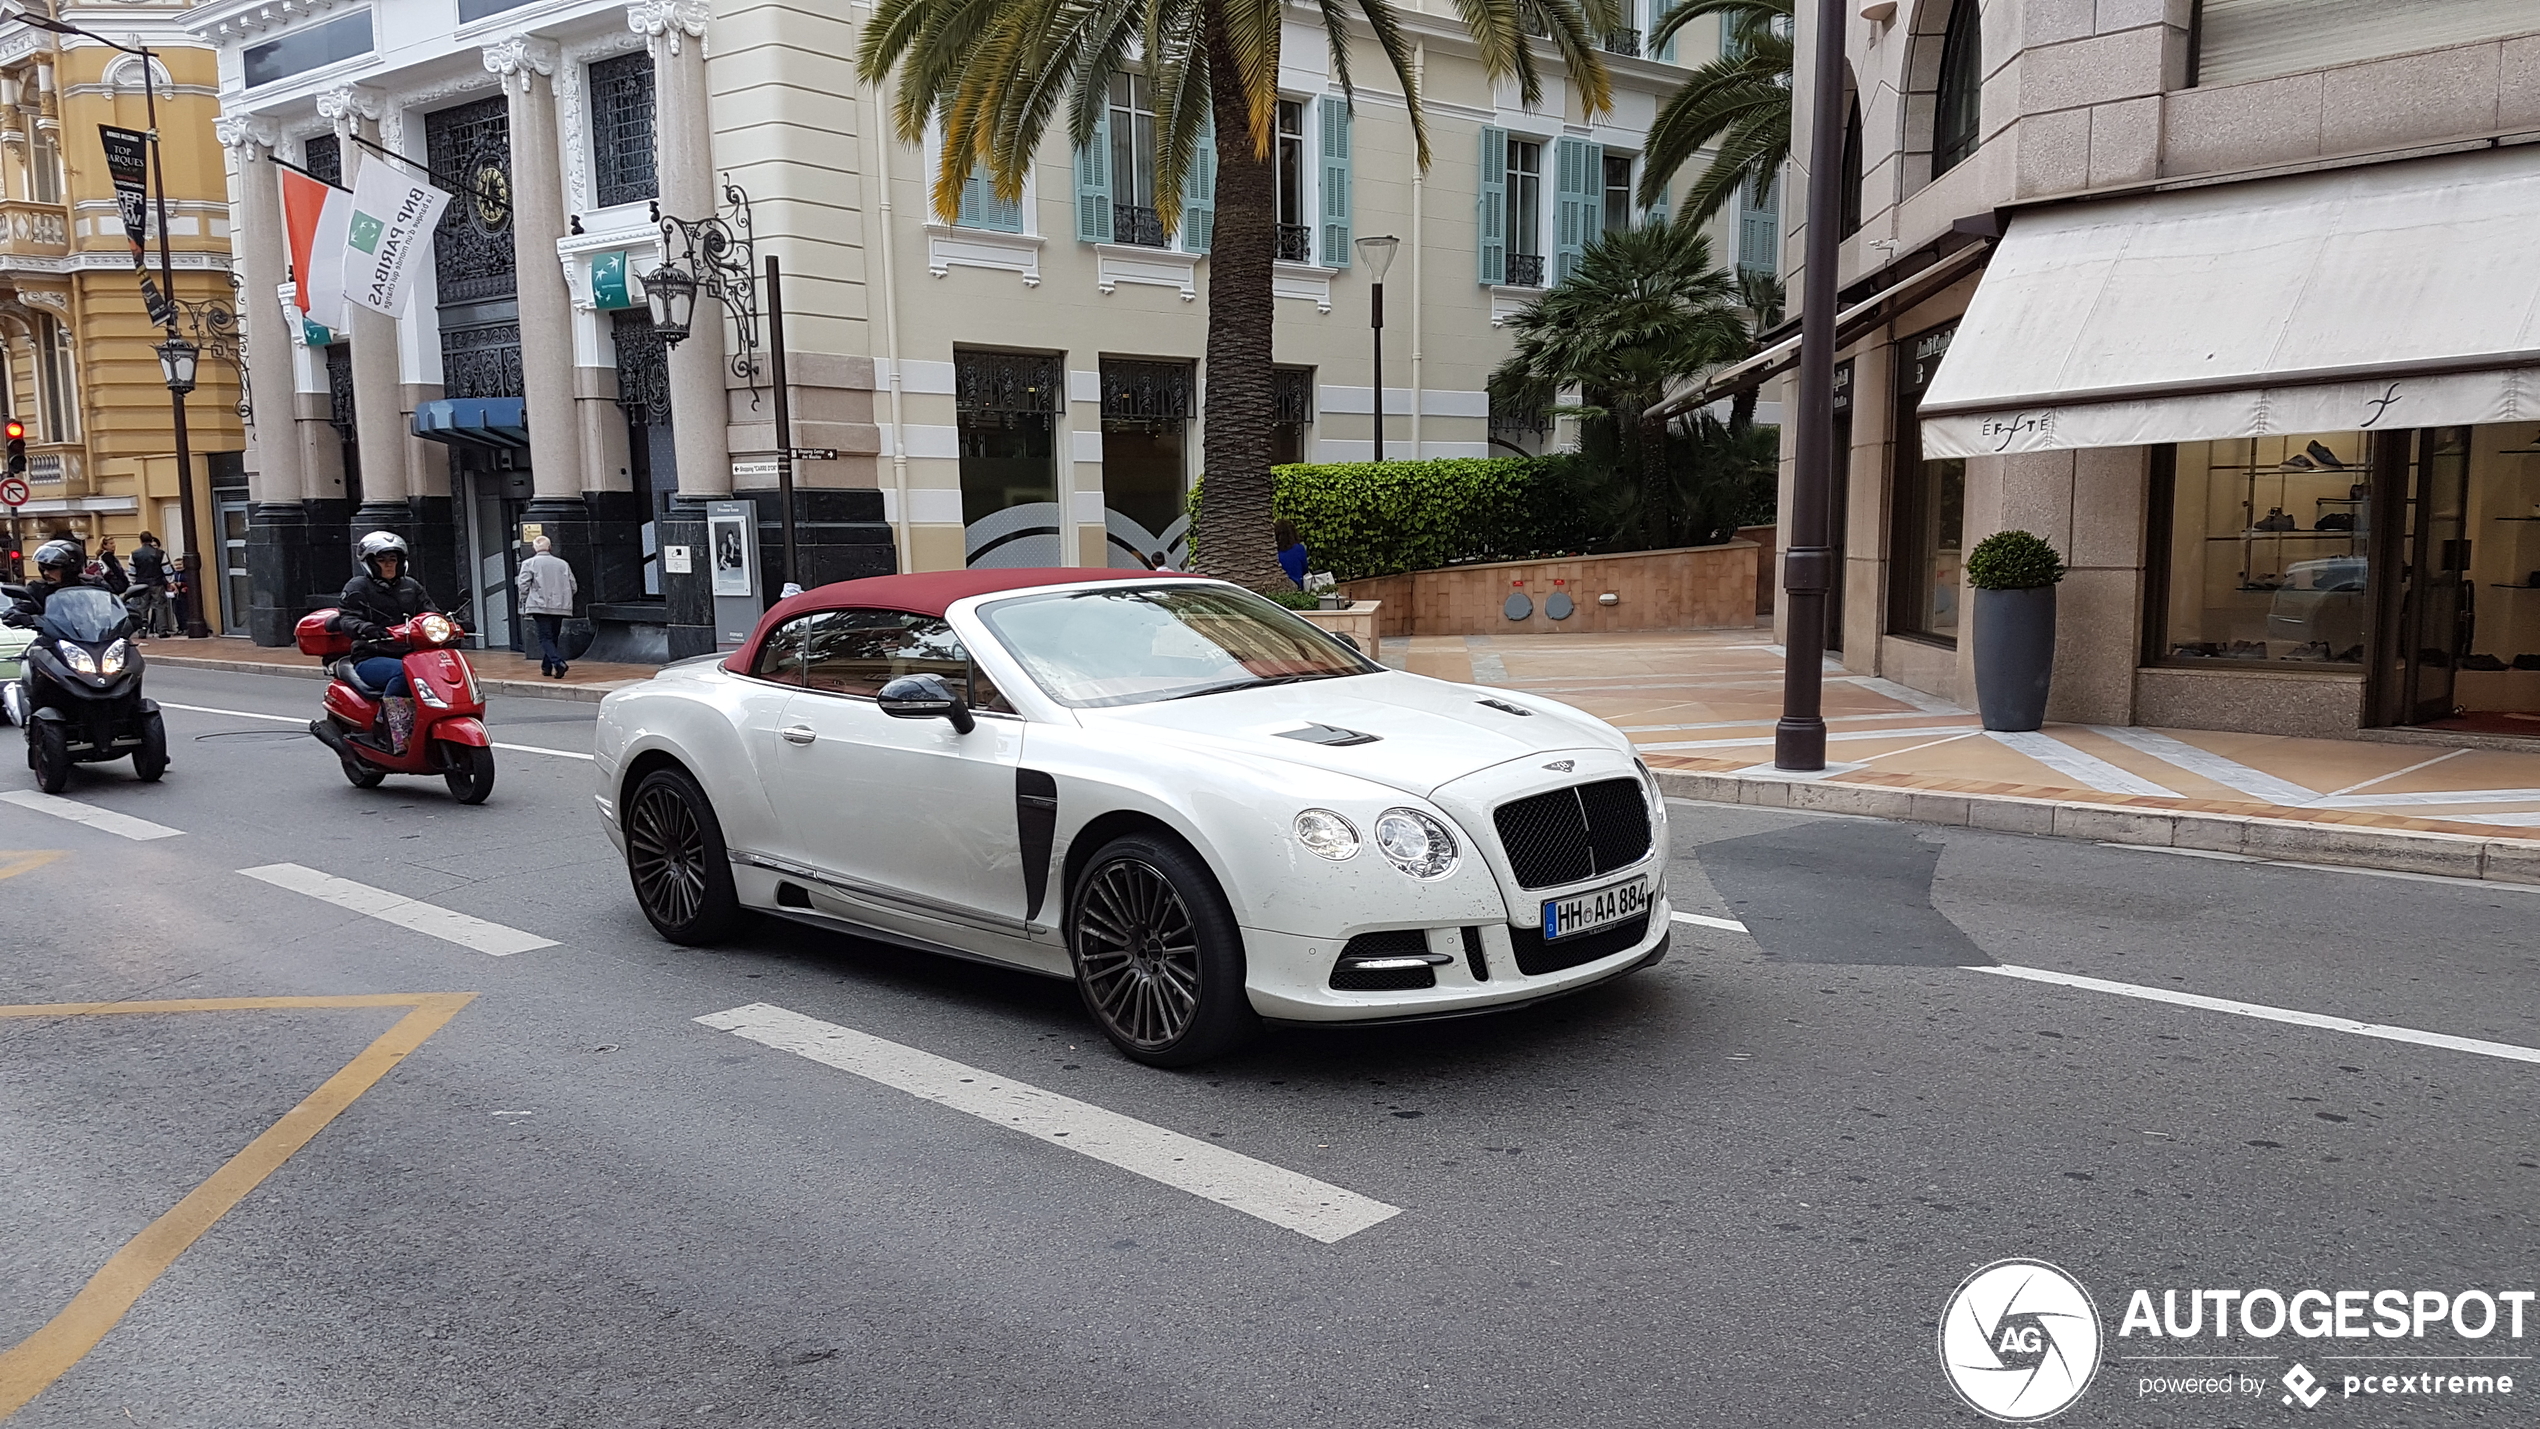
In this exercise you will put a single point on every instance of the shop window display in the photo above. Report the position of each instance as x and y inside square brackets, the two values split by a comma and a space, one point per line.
[2269, 551]
[2496, 685]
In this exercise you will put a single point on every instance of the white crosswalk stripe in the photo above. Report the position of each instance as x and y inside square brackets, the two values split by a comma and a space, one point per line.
[1275, 1194]
[102, 820]
[452, 927]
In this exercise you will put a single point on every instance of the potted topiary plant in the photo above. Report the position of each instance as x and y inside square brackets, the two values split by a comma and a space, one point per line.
[2013, 574]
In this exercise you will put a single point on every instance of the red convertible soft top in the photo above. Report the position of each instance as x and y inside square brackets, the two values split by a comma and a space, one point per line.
[925, 593]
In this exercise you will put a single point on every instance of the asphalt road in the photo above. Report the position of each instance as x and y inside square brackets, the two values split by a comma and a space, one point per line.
[1735, 1189]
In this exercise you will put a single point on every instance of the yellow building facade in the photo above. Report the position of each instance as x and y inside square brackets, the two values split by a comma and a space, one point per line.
[82, 369]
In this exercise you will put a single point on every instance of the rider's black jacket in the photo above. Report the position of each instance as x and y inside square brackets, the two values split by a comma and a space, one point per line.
[369, 606]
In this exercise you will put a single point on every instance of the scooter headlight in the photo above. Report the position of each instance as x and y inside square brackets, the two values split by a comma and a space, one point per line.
[435, 628]
[112, 662]
[78, 658]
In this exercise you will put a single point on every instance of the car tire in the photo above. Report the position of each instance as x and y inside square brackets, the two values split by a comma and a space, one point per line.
[1158, 958]
[676, 859]
[49, 755]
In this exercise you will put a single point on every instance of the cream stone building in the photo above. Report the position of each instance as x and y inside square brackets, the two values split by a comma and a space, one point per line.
[1023, 384]
[2233, 301]
[81, 371]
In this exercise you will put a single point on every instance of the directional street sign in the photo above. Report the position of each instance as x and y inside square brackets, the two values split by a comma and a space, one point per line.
[13, 491]
[815, 453]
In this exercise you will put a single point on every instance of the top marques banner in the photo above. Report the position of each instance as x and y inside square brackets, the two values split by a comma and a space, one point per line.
[392, 216]
[128, 162]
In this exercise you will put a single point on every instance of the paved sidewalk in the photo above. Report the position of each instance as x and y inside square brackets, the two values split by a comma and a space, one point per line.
[1701, 707]
[498, 672]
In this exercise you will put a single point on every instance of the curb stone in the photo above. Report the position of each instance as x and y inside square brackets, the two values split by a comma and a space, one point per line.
[2502, 860]
[518, 689]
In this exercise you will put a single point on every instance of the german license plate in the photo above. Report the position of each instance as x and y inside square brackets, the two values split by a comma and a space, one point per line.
[1598, 908]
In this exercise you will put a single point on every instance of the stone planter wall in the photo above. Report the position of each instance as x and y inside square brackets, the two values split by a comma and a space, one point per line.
[1358, 622]
[1694, 588]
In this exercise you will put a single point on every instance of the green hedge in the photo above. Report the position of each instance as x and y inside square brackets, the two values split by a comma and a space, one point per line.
[1362, 519]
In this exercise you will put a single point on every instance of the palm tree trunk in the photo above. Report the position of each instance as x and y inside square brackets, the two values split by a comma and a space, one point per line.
[1234, 526]
[1657, 492]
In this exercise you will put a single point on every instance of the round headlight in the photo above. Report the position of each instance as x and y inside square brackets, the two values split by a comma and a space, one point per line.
[435, 629]
[1327, 833]
[1415, 843]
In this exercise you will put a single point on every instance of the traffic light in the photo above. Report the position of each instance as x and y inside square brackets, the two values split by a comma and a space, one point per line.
[17, 446]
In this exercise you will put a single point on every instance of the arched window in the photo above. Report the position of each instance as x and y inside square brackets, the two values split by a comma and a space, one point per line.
[1851, 215]
[1958, 107]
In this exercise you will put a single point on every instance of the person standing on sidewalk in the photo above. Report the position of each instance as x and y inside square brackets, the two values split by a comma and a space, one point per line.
[546, 597]
[150, 578]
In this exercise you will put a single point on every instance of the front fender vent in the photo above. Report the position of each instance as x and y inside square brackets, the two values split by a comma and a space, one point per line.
[1329, 734]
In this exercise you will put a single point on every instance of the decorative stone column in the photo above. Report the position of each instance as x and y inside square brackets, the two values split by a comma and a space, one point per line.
[528, 67]
[683, 138]
[277, 523]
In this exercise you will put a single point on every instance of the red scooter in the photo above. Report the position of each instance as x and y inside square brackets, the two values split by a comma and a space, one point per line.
[448, 738]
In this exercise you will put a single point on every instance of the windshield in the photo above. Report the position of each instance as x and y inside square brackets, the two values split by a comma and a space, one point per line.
[1118, 646]
[84, 614]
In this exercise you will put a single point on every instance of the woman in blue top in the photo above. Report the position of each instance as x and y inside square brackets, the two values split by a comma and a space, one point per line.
[1292, 555]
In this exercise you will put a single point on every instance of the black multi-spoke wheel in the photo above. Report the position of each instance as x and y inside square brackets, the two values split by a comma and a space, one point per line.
[1158, 958]
[675, 856]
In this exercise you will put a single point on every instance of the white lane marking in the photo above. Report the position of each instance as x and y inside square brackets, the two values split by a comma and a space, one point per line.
[102, 820]
[296, 719]
[492, 939]
[1275, 1194]
[2445, 1040]
[2230, 773]
[1700, 921]
[2395, 773]
[2483, 885]
[1839, 734]
[2093, 771]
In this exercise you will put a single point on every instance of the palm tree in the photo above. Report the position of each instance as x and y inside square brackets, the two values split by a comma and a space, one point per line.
[993, 74]
[1645, 311]
[1761, 294]
[1740, 100]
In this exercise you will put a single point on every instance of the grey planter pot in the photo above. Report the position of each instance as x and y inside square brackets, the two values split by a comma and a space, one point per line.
[2015, 655]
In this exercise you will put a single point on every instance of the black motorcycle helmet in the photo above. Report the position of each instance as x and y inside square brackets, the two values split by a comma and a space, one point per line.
[383, 543]
[65, 556]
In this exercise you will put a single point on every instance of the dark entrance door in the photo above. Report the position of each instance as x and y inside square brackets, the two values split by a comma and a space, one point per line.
[2431, 604]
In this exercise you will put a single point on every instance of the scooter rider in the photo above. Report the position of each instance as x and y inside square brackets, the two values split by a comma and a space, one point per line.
[382, 597]
[58, 566]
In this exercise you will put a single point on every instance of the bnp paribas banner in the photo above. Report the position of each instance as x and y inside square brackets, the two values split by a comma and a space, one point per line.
[392, 216]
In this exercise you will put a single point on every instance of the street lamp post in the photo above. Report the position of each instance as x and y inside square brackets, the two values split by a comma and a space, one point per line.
[1799, 739]
[1378, 251]
[195, 626]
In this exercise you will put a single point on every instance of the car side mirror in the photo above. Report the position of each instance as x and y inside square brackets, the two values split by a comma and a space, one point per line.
[925, 697]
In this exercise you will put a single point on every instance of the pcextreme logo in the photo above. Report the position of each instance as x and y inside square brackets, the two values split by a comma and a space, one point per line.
[2019, 1341]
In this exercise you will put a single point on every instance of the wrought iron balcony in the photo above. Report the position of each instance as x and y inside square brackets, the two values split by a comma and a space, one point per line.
[1525, 270]
[1623, 42]
[1296, 243]
[1131, 223]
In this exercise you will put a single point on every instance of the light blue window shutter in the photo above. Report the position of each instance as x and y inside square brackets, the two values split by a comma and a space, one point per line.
[1334, 111]
[1199, 190]
[981, 208]
[1093, 185]
[1578, 179]
[1491, 218]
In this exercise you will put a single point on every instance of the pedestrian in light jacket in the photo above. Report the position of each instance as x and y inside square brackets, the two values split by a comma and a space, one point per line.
[546, 597]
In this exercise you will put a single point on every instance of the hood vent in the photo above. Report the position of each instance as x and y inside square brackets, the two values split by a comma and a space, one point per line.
[1505, 707]
[1328, 734]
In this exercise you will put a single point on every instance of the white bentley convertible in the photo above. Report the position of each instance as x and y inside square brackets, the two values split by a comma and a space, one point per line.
[1202, 808]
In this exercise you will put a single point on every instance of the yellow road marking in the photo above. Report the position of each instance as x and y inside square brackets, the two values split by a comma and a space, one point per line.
[43, 1357]
[16, 861]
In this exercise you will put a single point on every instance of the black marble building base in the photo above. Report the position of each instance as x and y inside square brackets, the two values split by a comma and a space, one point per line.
[687, 598]
[278, 574]
[330, 539]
